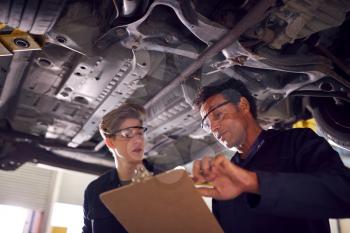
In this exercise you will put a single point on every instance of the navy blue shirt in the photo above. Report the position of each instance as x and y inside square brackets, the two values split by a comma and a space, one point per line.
[302, 183]
[97, 218]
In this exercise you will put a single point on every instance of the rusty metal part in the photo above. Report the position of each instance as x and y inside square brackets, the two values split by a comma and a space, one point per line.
[19, 41]
[232, 61]
[251, 18]
[303, 18]
[2, 25]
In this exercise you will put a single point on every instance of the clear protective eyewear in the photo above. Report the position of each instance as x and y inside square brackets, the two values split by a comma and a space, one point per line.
[215, 116]
[131, 132]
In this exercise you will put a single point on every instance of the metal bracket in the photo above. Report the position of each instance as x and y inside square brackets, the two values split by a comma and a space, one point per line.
[18, 41]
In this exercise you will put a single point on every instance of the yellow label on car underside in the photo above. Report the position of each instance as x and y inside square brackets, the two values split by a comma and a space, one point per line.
[310, 123]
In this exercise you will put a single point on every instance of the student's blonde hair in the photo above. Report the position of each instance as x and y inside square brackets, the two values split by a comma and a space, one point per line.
[112, 120]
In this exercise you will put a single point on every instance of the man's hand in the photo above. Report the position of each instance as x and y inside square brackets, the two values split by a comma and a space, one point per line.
[229, 180]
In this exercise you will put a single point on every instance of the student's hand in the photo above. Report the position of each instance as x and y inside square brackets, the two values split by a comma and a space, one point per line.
[228, 180]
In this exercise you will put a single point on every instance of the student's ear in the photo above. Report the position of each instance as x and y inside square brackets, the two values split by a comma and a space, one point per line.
[109, 143]
[244, 105]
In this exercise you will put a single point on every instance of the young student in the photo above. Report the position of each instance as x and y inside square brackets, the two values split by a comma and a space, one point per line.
[123, 132]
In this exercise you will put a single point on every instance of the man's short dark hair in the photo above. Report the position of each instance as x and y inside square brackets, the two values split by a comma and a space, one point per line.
[231, 89]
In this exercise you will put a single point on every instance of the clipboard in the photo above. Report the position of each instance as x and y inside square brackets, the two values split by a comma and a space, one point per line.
[165, 203]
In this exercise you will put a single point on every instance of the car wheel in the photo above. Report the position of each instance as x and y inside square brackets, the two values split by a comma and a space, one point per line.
[34, 16]
[333, 119]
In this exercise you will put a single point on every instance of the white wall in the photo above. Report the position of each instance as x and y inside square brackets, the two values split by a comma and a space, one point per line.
[72, 186]
[38, 188]
[30, 187]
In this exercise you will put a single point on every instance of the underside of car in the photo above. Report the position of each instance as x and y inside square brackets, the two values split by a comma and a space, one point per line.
[64, 64]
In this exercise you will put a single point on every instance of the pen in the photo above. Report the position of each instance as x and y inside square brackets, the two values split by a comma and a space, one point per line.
[204, 185]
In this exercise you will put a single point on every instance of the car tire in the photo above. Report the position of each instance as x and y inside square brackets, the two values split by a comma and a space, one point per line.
[333, 120]
[34, 16]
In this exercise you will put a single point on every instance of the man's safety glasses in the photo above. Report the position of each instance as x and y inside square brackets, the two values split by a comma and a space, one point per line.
[214, 116]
